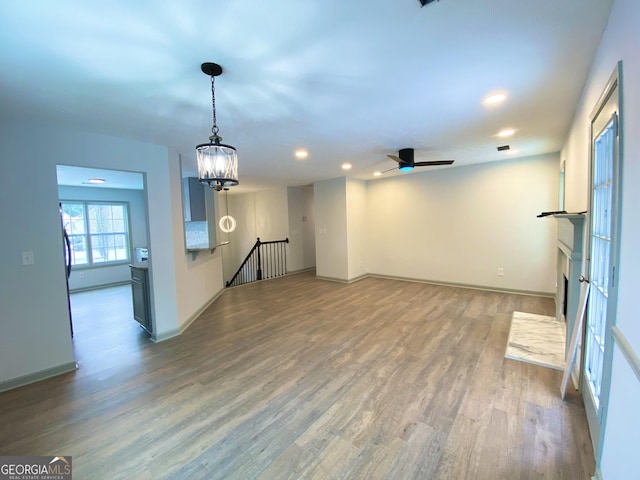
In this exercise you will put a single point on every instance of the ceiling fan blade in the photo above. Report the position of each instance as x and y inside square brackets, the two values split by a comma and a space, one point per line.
[436, 162]
[385, 171]
[395, 158]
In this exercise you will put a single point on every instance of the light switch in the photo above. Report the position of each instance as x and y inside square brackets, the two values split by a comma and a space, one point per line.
[27, 258]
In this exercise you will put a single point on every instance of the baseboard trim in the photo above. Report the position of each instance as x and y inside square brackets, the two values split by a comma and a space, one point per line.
[331, 279]
[357, 279]
[100, 287]
[183, 328]
[466, 285]
[418, 280]
[295, 272]
[161, 337]
[37, 376]
[342, 280]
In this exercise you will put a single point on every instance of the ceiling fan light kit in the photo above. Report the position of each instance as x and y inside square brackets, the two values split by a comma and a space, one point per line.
[405, 159]
[217, 162]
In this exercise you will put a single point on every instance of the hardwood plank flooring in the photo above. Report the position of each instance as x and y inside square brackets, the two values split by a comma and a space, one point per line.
[298, 378]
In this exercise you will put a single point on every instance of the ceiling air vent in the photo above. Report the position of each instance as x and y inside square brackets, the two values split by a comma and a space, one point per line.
[426, 2]
[503, 148]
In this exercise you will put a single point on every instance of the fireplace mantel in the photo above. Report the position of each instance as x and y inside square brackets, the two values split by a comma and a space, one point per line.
[570, 234]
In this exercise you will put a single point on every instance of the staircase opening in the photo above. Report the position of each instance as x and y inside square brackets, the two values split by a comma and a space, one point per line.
[265, 260]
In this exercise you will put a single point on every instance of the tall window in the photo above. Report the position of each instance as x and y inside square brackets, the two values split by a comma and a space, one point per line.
[99, 232]
[600, 263]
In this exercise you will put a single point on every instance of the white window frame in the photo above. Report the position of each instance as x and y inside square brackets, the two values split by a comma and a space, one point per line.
[88, 235]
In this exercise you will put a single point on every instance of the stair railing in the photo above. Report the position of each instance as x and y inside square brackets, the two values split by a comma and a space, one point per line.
[265, 260]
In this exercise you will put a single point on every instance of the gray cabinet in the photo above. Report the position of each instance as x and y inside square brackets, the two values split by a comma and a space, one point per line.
[141, 296]
[193, 201]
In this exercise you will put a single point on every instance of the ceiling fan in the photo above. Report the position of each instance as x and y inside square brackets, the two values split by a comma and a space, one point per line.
[406, 162]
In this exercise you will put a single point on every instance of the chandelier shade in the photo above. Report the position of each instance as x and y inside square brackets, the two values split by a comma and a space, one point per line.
[217, 162]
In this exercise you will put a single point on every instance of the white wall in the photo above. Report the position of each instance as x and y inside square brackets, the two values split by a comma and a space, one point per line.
[356, 200]
[106, 275]
[620, 42]
[295, 258]
[263, 214]
[198, 282]
[35, 321]
[301, 253]
[459, 225]
[330, 202]
[308, 229]
[194, 282]
[620, 459]
[242, 208]
[272, 214]
[272, 217]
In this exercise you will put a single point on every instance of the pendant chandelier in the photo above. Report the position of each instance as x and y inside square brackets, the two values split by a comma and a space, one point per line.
[217, 162]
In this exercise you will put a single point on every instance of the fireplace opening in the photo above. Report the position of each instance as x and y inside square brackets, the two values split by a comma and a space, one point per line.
[564, 296]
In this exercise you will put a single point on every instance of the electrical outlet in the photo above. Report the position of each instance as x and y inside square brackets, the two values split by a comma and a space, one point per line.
[501, 272]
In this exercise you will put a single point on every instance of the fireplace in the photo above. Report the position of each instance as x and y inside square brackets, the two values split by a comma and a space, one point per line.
[570, 247]
[562, 283]
[564, 296]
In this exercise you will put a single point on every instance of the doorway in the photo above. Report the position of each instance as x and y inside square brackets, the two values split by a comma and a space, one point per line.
[602, 256]
[104, 213]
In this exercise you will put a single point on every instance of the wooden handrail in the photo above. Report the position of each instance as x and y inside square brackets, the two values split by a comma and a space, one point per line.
[250, 264]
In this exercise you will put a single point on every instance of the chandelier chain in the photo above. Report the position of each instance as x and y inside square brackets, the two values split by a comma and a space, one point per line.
[214, 129]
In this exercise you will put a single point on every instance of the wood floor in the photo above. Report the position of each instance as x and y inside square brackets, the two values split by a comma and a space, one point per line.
[298, 378]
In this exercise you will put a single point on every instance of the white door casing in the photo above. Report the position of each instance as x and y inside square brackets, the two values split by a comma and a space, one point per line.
[601, 259]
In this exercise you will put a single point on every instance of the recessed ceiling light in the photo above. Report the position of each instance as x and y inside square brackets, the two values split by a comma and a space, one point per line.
[507, 132]
[494, 98]
[301, 154]
[346, 166]
[96, 180]
[377, 174]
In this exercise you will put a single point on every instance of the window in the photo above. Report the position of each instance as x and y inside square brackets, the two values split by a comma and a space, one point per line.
[604, 156]
[98, 232]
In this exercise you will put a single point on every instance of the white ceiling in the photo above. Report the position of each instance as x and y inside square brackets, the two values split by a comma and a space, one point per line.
[348, 80]
[80, 176]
